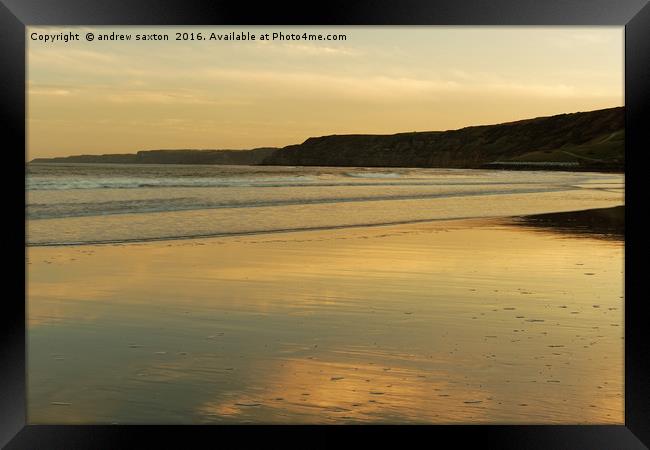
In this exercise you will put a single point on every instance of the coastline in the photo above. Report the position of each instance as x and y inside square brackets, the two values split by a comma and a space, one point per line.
[531, 168]
[589, 221]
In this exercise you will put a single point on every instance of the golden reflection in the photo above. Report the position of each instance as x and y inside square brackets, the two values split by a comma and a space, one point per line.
[376, 325]
[314, 391]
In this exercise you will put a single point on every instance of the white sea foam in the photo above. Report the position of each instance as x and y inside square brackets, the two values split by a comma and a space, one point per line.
[374, 175]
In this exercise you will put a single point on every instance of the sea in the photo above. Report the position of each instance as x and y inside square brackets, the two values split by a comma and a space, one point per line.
[71, 204]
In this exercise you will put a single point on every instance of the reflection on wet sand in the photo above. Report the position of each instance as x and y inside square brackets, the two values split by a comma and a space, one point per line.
[452, 322]
[605, 223]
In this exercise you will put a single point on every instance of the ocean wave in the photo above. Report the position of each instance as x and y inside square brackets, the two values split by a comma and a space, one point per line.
[36, 211]
[46, 185]
[373, 175]
[59, 183]
[177, 237]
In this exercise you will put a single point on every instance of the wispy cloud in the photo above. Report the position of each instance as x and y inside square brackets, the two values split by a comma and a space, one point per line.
[313, 49]
[577, 38]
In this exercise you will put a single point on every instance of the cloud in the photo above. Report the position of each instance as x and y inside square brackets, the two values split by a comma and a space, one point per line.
[48, 91]
[315, 50]
[384, 87]
[571, 39]
[125, 94]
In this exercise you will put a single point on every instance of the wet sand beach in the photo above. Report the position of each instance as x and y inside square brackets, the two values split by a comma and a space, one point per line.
[500, 321]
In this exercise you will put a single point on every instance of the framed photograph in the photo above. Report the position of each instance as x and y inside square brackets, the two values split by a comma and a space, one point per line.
[367, 219]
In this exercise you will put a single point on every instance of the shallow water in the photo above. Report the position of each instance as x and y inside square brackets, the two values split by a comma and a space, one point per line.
[446, 322]
[86, 203]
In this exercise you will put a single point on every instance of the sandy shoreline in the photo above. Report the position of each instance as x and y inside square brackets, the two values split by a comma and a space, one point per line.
[609, 221]
[470, 321]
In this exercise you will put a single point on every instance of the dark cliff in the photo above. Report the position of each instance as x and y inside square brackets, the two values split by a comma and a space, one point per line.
[246, 157]
[583, 140]
[234, 157]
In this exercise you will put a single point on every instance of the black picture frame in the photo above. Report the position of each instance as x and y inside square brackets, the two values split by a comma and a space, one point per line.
[15, 15]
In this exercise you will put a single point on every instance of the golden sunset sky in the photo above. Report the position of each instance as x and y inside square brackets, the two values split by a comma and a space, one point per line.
[121, 97]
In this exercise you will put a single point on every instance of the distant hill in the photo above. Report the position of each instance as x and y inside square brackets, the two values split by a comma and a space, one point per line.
[593, 140]
[580, 141]
[180, 156]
